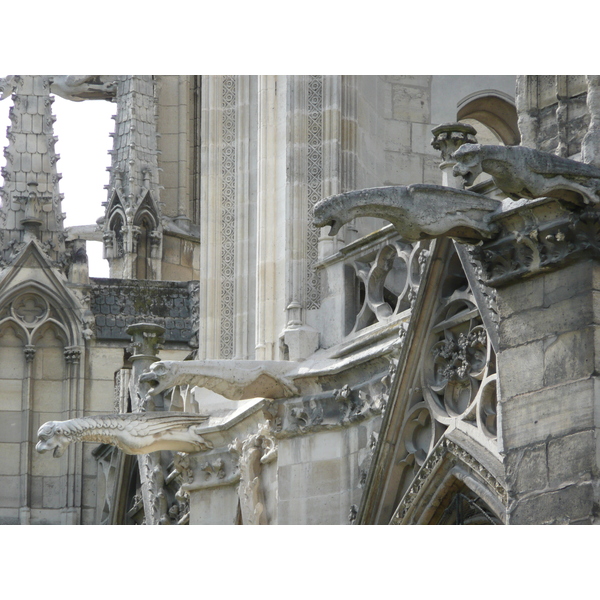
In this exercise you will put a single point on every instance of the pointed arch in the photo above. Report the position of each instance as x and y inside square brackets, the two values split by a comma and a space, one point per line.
[148, 230]
[452, 477]
[495, 110]
[59, 310]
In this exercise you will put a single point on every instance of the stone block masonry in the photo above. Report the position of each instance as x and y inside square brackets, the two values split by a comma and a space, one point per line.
[547, 367]
[119, 303]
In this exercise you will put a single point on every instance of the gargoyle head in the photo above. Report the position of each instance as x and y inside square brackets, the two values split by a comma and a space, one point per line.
[468, 162]
[53, 436]
[327, 212]
[159, 376]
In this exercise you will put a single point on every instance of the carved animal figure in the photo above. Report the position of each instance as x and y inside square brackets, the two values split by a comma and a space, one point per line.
[417, 212]
[83, 87]
[133, 433]
[233, 379]
[522, 172]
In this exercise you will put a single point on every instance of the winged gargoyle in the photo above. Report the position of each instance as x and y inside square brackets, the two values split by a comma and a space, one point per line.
[133, 433]
[233, 379]
[522, 172]
[417, 211]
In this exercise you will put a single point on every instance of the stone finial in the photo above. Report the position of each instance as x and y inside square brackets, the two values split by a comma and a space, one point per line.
[448, 138]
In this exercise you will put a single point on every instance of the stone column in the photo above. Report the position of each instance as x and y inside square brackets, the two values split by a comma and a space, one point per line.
[448, 138]
[146, 341]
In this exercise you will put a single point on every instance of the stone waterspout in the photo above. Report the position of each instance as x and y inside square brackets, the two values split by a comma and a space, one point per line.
[522, 172]
[417, 211]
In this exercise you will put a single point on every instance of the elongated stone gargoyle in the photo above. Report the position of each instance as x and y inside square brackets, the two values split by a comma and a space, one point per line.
[522, 172]
[84, 87]
[417, 211]
[233, 379]
[133, 433]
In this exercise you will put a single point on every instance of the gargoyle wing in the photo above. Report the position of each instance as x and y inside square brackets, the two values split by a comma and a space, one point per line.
[143, 424]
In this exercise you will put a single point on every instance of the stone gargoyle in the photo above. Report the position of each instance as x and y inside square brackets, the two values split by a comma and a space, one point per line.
[418, 211]
[233, 379]
[522, 172]
[84, 87]
[133, 433]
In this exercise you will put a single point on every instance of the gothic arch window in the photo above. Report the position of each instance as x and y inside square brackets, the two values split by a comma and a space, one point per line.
[116, 225]
[146, 225]
[493, 114]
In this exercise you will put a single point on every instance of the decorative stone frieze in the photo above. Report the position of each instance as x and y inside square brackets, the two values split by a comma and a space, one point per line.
[219, 467]
[539, 237]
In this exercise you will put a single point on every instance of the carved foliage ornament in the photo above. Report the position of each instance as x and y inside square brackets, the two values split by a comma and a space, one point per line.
[540, 247]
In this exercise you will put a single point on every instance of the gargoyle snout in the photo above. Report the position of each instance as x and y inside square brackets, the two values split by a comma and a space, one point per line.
[322, 216]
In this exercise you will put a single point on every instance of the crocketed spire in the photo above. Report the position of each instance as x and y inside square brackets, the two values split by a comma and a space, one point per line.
[31, 201]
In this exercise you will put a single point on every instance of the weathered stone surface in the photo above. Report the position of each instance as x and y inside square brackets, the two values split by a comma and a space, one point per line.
[527, 469]
[10, 485]
[569, 356]
[411, 104]
[556, 411]
[537, 323]
[521, 369]
[573, 503]
[571, 458]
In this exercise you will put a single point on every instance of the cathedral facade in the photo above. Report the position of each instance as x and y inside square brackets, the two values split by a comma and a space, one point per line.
[332, 300]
